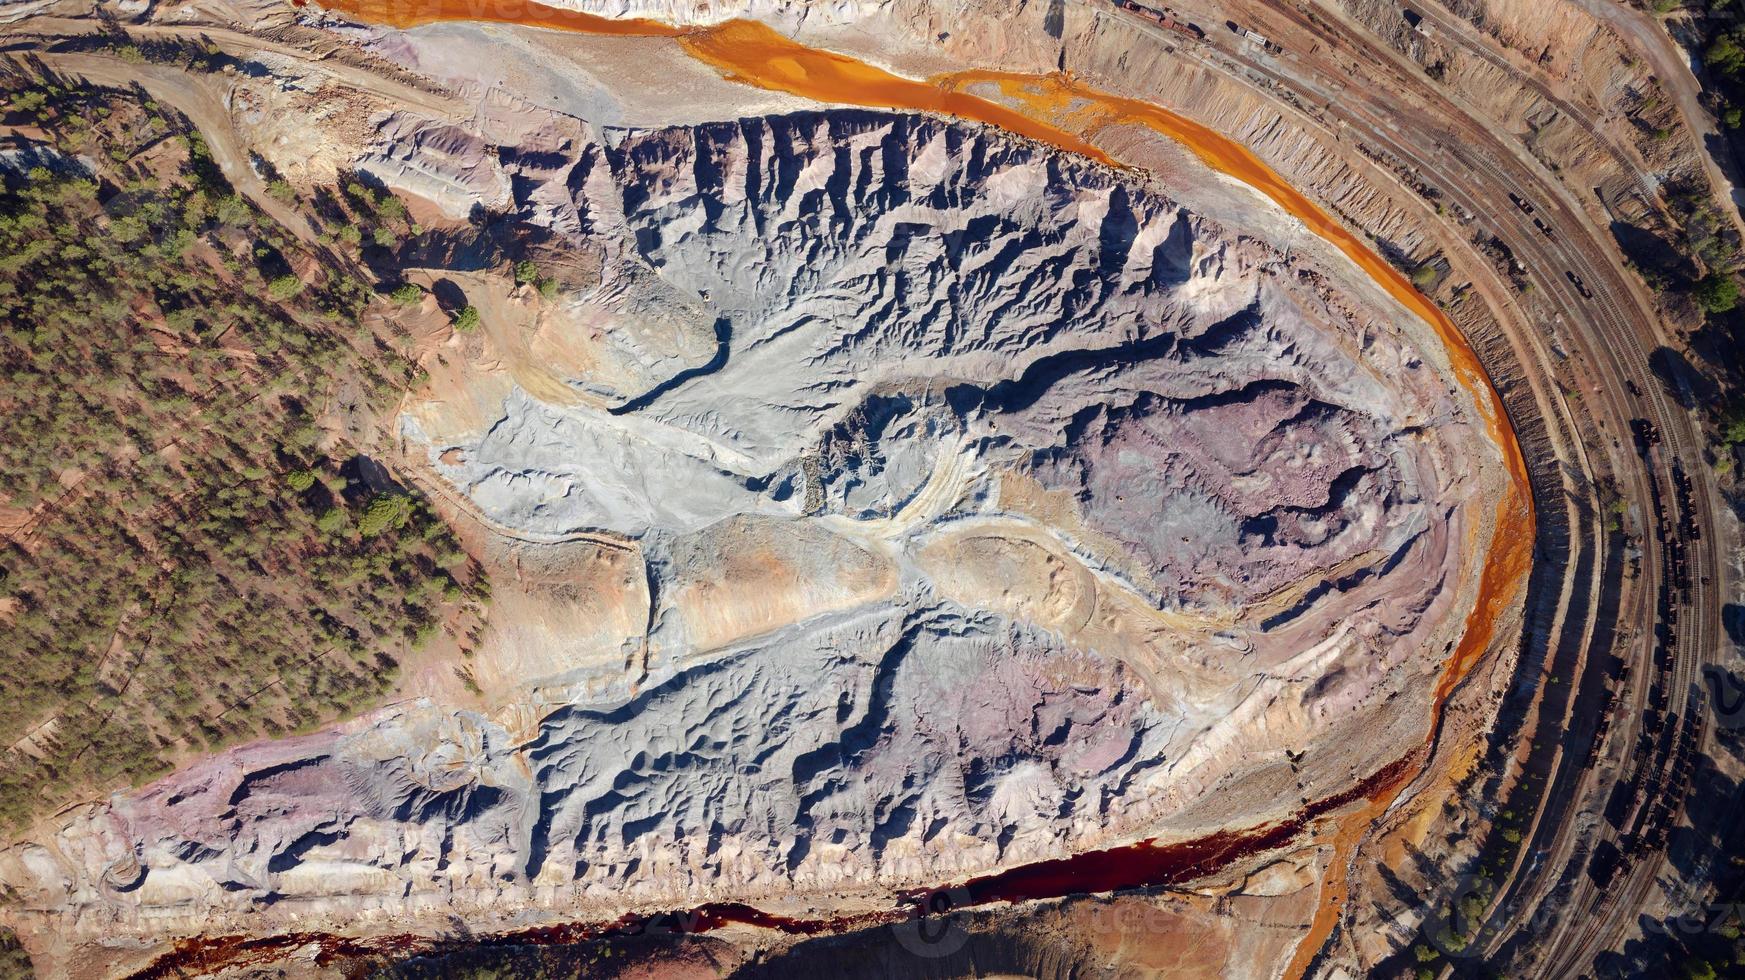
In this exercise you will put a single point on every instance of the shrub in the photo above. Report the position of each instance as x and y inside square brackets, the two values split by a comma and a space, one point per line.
[1717, 292]
[466, 319]
[388, 510]
[284, 287]
[1726, 55]
[14, 962]
[128, 230]
[406, 294]
[526, 272]
[233, 210]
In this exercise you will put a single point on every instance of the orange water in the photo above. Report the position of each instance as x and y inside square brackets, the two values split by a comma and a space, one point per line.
[1061, 112]
[412, 13]
[1057, 97]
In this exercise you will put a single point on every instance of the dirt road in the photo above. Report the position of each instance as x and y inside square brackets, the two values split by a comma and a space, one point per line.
[1645, 35]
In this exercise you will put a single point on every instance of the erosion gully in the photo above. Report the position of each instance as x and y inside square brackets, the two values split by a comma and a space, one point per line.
[1062, 112]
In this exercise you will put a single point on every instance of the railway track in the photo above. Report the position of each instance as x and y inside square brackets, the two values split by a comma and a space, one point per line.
[1614, 347]
[1618, 356]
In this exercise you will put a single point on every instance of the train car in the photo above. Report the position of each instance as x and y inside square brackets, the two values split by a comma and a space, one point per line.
[1605, 863]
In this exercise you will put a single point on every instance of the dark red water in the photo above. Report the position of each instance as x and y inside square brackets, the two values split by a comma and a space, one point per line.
[1148, 864]
[1143, 865]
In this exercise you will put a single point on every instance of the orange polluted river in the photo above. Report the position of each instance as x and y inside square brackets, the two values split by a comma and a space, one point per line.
[1062, 112]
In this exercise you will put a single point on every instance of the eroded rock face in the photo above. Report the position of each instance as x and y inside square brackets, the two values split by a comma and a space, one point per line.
[1017, 511]
[1237, 494]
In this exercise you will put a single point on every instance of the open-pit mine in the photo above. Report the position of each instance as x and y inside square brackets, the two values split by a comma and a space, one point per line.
[741, 488]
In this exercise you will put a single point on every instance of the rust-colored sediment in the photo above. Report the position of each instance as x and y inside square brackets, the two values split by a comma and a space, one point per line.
[1509, 555]
[750, 52]
[1064, 113]
[415, 13]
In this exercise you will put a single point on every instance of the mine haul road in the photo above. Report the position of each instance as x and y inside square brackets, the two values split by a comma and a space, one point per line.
[1609, 336]
[1353, 75]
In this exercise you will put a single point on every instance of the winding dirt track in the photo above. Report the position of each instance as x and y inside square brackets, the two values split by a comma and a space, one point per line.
[1674, 72]
[202, 107]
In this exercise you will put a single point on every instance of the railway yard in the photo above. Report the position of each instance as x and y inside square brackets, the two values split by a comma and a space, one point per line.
[1623, 745]
[1628, 635]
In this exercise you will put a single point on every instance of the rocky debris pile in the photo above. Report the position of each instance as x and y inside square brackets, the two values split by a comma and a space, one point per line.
[992, 506]
[852, 263]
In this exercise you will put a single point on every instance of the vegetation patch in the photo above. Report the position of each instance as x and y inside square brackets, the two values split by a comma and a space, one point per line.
[190, 552]
[14, 962]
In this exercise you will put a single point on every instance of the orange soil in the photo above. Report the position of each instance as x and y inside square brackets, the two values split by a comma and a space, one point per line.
[1062, 112]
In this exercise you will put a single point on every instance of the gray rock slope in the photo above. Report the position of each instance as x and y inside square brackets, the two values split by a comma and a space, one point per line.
[1010, 509]
[855, 263]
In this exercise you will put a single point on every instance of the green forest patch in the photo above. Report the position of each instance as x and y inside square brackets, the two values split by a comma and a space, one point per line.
[190, 555]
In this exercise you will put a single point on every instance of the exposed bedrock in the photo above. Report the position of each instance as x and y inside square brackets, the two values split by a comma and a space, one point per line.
[962, 504]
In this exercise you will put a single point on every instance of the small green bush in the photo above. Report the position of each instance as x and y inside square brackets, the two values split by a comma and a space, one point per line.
[14, 962]
[466, 319]
[234, 211]
[1717, 292]
[332, 520]
[388, 510]
[284, 287]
